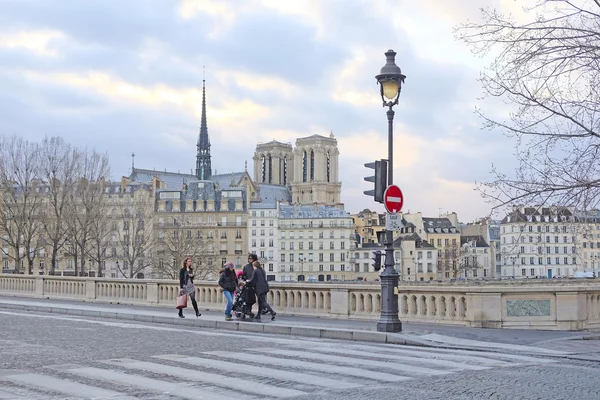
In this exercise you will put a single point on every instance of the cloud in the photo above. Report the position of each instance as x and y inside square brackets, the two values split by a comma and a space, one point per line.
[127, 77]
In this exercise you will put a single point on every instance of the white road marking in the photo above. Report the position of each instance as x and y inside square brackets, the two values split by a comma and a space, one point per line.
[164, 387]
[229, 382]
[410, 369]
[327, 368]
[63, 386]
[317, 380]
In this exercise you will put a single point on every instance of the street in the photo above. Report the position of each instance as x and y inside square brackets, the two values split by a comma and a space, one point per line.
[49, 356]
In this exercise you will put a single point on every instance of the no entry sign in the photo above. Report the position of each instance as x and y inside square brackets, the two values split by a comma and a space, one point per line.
[393, 199]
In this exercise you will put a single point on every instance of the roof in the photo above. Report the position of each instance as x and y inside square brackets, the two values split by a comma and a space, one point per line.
[270, 195]
[413, 237]
[175, 180]
[479, 241]
[538, 214]
[438, 225]
[311, 211]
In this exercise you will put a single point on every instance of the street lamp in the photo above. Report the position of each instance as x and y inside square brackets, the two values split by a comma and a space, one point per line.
[390, 81]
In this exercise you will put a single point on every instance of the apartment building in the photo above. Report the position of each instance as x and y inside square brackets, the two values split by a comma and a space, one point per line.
[315, 243]
[548, 242]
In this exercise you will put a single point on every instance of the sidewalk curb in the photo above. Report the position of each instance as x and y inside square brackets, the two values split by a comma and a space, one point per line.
[255, 327]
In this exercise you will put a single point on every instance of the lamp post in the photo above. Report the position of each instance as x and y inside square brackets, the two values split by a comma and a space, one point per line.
[390, 81]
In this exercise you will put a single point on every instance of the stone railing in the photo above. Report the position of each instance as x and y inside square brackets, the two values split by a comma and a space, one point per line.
[555, 305]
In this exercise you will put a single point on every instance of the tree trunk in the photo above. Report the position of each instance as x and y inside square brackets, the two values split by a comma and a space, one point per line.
[53, 262]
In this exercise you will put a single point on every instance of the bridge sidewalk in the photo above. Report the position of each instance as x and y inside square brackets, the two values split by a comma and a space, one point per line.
[554, 343]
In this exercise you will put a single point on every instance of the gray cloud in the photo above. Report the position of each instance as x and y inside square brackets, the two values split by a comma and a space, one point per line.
[147, 43]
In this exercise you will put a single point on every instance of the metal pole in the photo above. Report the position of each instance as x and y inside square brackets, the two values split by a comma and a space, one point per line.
[388, 319]
[390, 115]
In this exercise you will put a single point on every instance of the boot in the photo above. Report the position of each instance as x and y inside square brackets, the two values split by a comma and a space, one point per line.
[195, 305]
[181, 313]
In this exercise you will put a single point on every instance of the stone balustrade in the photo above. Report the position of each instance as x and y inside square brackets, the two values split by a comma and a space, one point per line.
[556, 305]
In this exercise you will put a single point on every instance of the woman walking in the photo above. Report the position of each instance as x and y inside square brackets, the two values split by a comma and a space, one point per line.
[186, 285]
[228, 282]
[259, 281]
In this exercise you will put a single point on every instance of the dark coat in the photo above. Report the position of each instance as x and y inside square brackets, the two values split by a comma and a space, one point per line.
[183, 276]
[247, 272]
[259, 281]
[228, 282]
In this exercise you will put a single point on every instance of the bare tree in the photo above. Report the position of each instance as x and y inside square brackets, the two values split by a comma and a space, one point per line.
[99, 235]
[21, 205]
[175, 242]
[467, 261]
[548, 69]
[85, 202]
[135, 237]
[58, 166]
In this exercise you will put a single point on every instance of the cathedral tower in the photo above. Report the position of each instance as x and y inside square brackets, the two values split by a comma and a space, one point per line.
[203, 167]
[316, 171]
[273, 163]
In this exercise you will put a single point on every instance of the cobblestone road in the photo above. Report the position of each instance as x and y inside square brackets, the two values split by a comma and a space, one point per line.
[44, 356]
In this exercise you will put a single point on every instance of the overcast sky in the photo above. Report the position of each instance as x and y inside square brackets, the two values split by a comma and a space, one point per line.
[126, 76]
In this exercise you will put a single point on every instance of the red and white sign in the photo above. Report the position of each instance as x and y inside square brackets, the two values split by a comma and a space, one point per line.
[393, 199]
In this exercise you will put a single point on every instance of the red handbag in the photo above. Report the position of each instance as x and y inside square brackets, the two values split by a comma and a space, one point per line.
[181, 301]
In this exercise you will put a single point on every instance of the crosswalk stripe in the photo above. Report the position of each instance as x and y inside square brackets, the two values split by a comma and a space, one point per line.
[244, 386]
[321, 356]
[449, 356]
[282, 362]
[182, 390]
[440, 363]
[5, 395]
[264, 372]
[78, 390]
[486, 354]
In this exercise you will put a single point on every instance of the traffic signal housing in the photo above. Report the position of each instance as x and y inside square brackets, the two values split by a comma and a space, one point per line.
[379, 179]
[377, 260]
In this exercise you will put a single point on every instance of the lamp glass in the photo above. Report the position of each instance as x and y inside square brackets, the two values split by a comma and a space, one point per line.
[390, 89]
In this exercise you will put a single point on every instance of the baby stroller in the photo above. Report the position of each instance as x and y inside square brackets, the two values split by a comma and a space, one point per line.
[244, 300]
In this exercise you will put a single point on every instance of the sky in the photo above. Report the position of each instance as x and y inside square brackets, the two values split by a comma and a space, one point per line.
[125, 77]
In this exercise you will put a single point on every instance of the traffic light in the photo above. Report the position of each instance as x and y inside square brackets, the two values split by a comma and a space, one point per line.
[379, 179]
[377, 260]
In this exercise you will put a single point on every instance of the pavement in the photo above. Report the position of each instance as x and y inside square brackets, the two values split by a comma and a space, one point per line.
[548, 343]
[50, 356]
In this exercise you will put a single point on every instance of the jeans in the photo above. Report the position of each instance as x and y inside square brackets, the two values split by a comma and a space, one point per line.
[229, 297]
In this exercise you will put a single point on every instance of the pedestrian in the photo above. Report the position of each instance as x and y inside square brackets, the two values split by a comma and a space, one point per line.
[259, 281]
[186, 285]
[247, 271]
[228, 282]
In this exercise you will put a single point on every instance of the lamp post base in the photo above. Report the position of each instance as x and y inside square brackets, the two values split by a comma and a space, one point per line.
[389, 321]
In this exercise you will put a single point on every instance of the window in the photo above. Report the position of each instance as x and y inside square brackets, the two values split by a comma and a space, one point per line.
[291, 257]
[283, 258]
[331, 246]
[331, 257]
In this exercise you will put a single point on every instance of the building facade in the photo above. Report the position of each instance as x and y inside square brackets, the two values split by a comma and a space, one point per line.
[315, 243]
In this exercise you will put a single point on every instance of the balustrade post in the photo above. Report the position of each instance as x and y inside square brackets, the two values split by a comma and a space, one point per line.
[571, 310]
[484, 310]
[152, 293]
[90, 289]
[340, 304]
[39, 286]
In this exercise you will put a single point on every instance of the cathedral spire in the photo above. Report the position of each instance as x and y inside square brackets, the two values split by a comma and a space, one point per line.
[203, 167]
